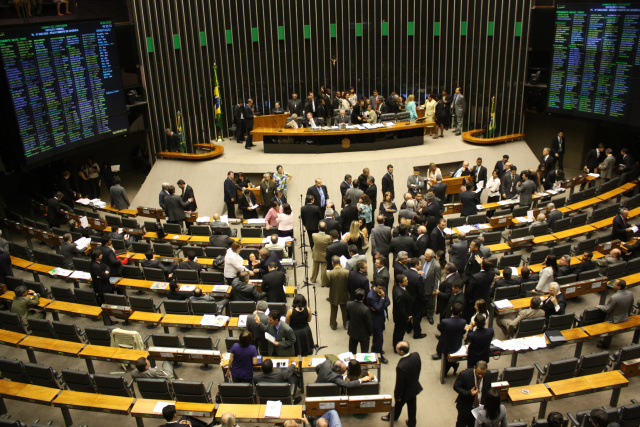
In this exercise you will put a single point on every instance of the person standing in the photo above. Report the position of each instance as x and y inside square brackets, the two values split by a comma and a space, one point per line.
[378, 301]
[360, 325]
[285, 338]
[163, 193]
[450, 338]
[55, 214]
[321, 241]
[431, 275]
[173, 140]
[338, 283]
[320, 195]
[188, 196]
[416, 289]
[594, 158]
[267, 190]
[558, 148]
[119, 199]
[525, 189]
[282, 179]
[310, 214]
[175, 207]
[458, 108]
[248, 114]
[415, 183]
[230, 194]
[607, 165]
[402, 307]
[493, 414]
[100, 275]
[387, 183]
[407, 383]
[479, 339]
[472, 387]
[617, 308]
[239, 120]
[479, 174]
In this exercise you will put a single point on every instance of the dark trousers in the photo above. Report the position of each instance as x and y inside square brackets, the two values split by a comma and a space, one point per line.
[430, 306]
[310, 234]
[249, 126]
[353, 345]
[231, 210]
[447, 364]
[287, 233]
[378, 340]
[399, 329]
[560, 161]
[388, 221]
[465, 418]
[411, 409]
[240, 128]
[492, 199]
[418, 307]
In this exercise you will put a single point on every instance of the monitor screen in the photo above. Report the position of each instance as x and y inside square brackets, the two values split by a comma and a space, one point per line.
[595, 65]
[65, 86]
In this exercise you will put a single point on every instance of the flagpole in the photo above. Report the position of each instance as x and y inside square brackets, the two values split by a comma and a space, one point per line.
[217, 103]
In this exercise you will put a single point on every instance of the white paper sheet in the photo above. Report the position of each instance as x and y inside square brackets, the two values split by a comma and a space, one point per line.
[273, 409]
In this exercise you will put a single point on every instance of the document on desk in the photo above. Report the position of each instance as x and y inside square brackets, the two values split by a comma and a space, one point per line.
[60, 272]
[255, 220]
[535, 343]
[461, 352]
[208, 320]
[84, 221]
[346, 356]
[448, 231]
[366, 357]
[316, 361]
[80, 275]
[466, 228]
[242, 320]
[220, 288]
[187, 288]
[273, 409]
[280, 363]
[503, 304]
[519, 344]
[269, 337]
[203, 219]
[85, 202]
[160, 405]
[497, 343]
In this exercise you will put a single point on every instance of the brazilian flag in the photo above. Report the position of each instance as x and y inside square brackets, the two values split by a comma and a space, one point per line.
[183, 146]
[216, 99]
[492, 118]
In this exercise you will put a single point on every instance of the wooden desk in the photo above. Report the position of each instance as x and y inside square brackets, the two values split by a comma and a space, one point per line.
[572, 232]
[185, 321]
[546, 238]
[178, 238]
[49, 345]
[306, 365]
[585, 204]
[288, 412]
[96, 352]
[42, 302]
[537, 393]
[10, 337]
[37, 394]
[151, 319]
[243, 413]
[318, 406]
[369, 404]
[500, 247]
[186, 355]
[68, 399]
[20, 264]
[72, 308]
[605, 329]
[604, 223]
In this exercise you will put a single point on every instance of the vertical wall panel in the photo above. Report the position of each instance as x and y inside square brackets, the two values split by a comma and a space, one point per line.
[450, 46]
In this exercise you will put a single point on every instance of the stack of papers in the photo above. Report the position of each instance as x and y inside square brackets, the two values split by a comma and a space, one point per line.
[343, 261]
[80, 275]
[98, 203]
[83, 243]
[255, 220]
[345, 357]
[160, 405]
[536, 342]
[159, 285]
[203, 219]
[213, 320]
[242, 320]
[61, 272]
[317, 361]
[187, 288]
[448, 231]
[466, 228]
[503, 304]
[85, 202]
[84, 221]
[273, 409]
[595, 175]
[522, 219]
[220, 288]
[269, 337]
[482, 226]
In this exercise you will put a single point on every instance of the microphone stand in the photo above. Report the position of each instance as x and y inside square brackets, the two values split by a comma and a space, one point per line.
[303, 249]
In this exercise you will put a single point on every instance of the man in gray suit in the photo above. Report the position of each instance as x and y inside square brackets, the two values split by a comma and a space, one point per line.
[119, 199]
[458, 252]
[252, 326]
[607, 165]
[355, 257]
[278, 375]
[175, 207]
[617, 308]
[431, 273]
[144, 370]
[381, 238]
[459, 107]
[525, 189]
[342, 118]
[332, 373]
[509, 327]
[355, 193]
[415, 183]
[285, 338]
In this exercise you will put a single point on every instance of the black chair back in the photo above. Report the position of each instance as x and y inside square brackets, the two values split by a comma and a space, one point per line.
[166, 340]
[41, 328]
[62, 293]
[78, 380]
[569, 278]
[507, 292]
[237, 308]
[560, 370]
[67, 331]
[199, 342]
[154, 388]
[132, 272]
[41, 375]
[141, 247]
[12, 322]
[251, 232]
[274, 391]
[529, 327]
[616, 270]
[114, 385]
[365, 389]
[115, 299]
[197, 250]
[142, 304]
[213, 251]
[238, 393]
[322, 390]
[518, 376]
[212, 277]
[81, 264]
[204, 307]
[560, 322]
[509, 261]
[85, 296]
[593, 363]
[154, 274]
[13, 370]
[176, 307]
[187, 276]
[589, 274]
[191, 391]
[591, 316]
[538, 256]
[98, 336]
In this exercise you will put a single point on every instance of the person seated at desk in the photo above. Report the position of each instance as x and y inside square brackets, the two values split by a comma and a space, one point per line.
[68, 249]
[614, 256]
[219, 239]
[248, 204]
[509, 327]
[242, 290]
[564, 265]
[174, 292]
[309, 121]
[144, 370]
[167, 267]
[171, 417]
[278, 375]
[274, 245]
[198, 295]
[190, 263]
[292, 122]
[333, 373]
[507, 279]
[277, 109]
[242, 181]
[273, 283]
[266, 258]
[355, 372]
[23, 300]
[84, 231]
[217, 222]
[540, 220]
[342, 118]
[586, 264]
[556, 303]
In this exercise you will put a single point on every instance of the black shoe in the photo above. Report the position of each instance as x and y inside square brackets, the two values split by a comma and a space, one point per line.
[417, 337]
[382, 352]
[455, 367]
[328, 300]
[114, 322]
[437, 336]
[297, 400]
[254, 145]
[385, 417]
[383, 360]
[431, 320]
[436, 357]
[247, 148]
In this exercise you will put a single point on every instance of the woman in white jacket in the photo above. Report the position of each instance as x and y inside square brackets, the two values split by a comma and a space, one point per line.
[233, 263]
[547, 275]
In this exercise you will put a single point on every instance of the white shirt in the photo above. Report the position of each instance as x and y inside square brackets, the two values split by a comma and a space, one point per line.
[232, 264]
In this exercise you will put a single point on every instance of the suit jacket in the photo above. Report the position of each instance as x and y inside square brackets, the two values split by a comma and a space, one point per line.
[320, 243]
[453, 298]
[326, 375]
[618, 306]
[221, 241]
[22, 305]
[175, 208]
[353, 261]
[378, 309]
[445, 289]
[333, 224]
[311, 216]
[360, 325]
[553, 216]
[243, 204]
[278, 375]
[527, 313]
[273, 285]
[440, 190]
[243, 291]
[100, 274]
[471, 267]
[357, 280]
[619, 230]
[415, 184]
[154, 263]
[509, 185]
[387, 185]
[286, 339]
[549, 308]
[344, 186]
[422, 243]
[163, 193]
[119, 198]
[404, 243]
[437, 241]
[342, 119]
[594, 158]
[465, 381]
[459, 104]
[111, 260]
[187, 193]
[372, 192]
[479, 287]
[338, 283]
[550, 163]
[263, 266]
[230, 191]
[584, 266]
[267, 191]
[338, 248]
[432, 278]
[526, 191]
[416, 286]
[355, 113]
[500, 167]
[381, 239]
[65, 187]
[69, 250]
[408, 377]
[348, 214]
[479, 345]
[458, 254]
[295, 106]
[556, 147]
[479, 174]
[190, 265]
[55, 215]
[355, 194]
[451, 334]
[469, 201]
[252, 326]
[383, 275]
[313, 190]
[402, 305]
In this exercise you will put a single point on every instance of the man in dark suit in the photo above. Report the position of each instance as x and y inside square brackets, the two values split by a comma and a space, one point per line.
[346, 184]
[239, 116]
[381, 272]
[437, 239]
[472, 265]
[173, 140]
[284, 336]
[320, 194]
[509, 183]
[507, 279]
[243, 291]
[187, 194]
[360, 325]
[470, 200]
[402, 309]
[55, 214]
[295, 104]
[501, 165]
[479, 286]
[548, 160]
[472, 385]
[252, 326]
[171, 417]
[109, 256]
[371, 190]
[149, 262]
[387, 183]
[457, 296]
[553, 215]
[422, 240]
[248, 115]
[586, 264]
[444, 291]
[248, 204]
[64, 185]
[337, 247]
[332, 223]
[348, 214]
[621, 230]
[594, 158]
[175, 207]
[358, 280]
[332, 373]
[479, 173]
[266, 257]
[450, 339]
[558, 149]
[310, 214]
[68, 250]
[190, 263]
[219, 239]
[403, 242]
[278, 375]
[416, 289]
[458, 252]
[100, 275]
[230, 194]
[439, 188]
[407, 383]
[378, 301]
[556, 303]
[273, 284]
[554, 176]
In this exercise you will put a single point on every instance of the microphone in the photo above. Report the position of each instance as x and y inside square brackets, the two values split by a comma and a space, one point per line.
[274, 121]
